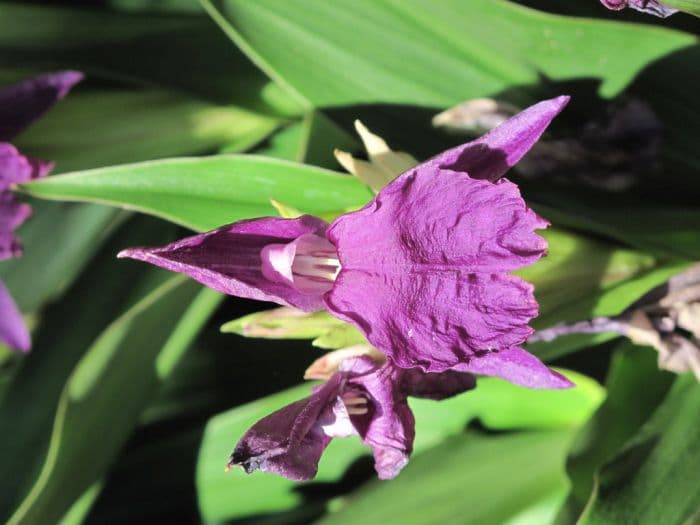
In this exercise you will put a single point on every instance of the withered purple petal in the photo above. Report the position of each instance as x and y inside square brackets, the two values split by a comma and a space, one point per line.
[652, 7]
[228, 259]
[24, 102]
[13, 332]
[389, 425]
[490, 156]
[289, 442]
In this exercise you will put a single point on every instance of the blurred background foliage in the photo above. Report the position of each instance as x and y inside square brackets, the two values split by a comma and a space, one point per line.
[131, 399]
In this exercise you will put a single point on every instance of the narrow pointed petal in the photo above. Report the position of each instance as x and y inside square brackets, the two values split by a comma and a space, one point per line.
[228, 259]
[518, 367]
[489, 157]
[13, 331]
[289, 442]
[24, 102]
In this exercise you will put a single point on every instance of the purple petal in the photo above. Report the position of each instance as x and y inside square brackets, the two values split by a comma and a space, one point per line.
[652, 7]
[228, 259]
[516, 366]
[416, 383]
[389, 427]
[490, 156]
[12, 214]
[24, 102]
[15, 168]
[289, 442]
[13, 331]
[421, 268]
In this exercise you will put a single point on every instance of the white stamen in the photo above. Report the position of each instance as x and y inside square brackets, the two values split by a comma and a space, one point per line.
[357, 411]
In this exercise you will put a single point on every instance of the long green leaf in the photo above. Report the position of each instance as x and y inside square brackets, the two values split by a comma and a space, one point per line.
[428, 53]
[125, 363]
[202, 193]
[469, 479]
[653, 478]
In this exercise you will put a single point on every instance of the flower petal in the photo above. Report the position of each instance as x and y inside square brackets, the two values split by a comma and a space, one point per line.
[434, 220]
[434, 320]
[421, 268]
[389, 428]
[490, 156]
[652, 7]
[15, 168]
[416, 383]
[518, 367]
[228, 259]
[24, 102]
[13, 331]
[289, 442]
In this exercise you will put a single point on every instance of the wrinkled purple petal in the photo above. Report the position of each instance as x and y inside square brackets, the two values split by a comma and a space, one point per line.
[228, 259]
[389, 426]
[15, 168]
[24, 102]
[516, 366]
[13, 331]
[490, 156]
[289, 442]
[416, 383]
[652, 7]
[421, 268]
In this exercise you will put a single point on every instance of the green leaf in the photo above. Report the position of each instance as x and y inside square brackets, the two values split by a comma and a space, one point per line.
[143, 48]
[137, 350]
[651, 480]
[203, 193]
[499, 404]
[469, 479]
[90, 128]
[66, 331]
[687, 6]
[429, 54]
[635, 388]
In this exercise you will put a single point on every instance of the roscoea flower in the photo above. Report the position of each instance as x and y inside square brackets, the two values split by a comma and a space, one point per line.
[20, 105]
[365, 397]
[422, 270]
[653, 7]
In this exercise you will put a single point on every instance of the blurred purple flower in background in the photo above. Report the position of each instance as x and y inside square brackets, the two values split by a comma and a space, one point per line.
[364, 398]
[653, 7]
[20, 105]
[421, 271]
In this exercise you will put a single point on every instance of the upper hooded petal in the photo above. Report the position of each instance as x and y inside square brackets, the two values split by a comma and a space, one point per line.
[290, 442]
[228, 259]
[491, 155]
[24, 102]
[13, 331]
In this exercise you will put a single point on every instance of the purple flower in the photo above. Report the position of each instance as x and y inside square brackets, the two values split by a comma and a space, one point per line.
[653, 7]
[363, 398]
[20, 105]
[422, 270]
